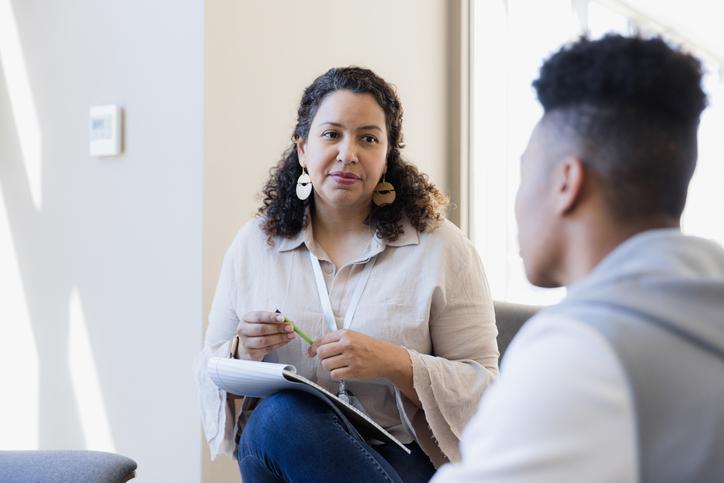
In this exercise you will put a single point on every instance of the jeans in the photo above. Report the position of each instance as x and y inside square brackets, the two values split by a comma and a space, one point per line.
[296, 437]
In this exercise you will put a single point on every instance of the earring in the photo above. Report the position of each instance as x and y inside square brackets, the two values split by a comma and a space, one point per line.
[384, 193]
[304, 185]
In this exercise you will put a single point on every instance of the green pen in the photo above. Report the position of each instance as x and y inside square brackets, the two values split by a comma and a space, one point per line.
[299, 331]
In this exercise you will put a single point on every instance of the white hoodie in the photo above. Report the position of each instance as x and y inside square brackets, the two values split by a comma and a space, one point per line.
[622, 381]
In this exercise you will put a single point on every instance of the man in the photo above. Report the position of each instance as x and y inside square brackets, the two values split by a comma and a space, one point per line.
[624, 380]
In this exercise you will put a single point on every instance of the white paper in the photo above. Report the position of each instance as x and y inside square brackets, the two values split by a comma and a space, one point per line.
[249, 378]
[262, 379]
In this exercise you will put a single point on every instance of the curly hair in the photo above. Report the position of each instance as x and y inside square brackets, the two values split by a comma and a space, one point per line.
[632, 105]
[417, 198]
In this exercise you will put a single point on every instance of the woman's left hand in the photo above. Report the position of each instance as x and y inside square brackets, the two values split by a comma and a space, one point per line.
[347, 354]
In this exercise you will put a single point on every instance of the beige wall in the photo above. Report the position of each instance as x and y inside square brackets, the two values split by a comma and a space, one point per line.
[260, 54]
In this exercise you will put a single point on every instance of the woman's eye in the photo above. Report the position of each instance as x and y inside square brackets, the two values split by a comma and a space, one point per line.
[369, 139]
[330, 134]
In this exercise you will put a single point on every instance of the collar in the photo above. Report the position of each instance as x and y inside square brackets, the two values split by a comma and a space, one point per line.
[304, 236]
[410, 236]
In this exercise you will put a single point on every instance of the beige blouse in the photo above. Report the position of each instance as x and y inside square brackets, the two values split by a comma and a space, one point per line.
[427, 292]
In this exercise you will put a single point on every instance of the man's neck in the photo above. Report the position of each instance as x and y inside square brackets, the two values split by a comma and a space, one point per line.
[593, 241]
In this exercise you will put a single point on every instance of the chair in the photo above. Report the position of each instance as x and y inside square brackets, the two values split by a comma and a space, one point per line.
[65, 466]
[510, 318]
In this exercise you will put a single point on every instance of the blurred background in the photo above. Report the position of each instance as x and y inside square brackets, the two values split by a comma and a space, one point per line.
[108, 263]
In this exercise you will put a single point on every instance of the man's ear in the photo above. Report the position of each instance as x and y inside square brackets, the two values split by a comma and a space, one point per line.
[571, 178]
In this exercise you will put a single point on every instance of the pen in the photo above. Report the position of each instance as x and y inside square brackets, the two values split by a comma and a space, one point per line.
[299, 331]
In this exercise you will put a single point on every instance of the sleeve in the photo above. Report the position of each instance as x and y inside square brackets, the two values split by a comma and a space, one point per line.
[450, 383]
[216, 416]
[560, 412]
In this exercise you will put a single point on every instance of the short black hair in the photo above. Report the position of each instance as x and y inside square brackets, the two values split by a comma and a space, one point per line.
[633, 105]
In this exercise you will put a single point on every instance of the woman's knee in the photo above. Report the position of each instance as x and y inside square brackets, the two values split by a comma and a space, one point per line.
[283, 415]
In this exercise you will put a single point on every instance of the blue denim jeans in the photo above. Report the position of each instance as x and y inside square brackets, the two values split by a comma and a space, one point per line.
[296, 437]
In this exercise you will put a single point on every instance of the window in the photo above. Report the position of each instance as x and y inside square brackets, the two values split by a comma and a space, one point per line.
[510, 40]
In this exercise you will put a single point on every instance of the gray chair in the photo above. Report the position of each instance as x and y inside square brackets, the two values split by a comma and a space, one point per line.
[65, 466]
[510, 318]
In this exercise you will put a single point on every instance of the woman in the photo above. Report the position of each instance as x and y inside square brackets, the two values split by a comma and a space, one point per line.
[350, 244]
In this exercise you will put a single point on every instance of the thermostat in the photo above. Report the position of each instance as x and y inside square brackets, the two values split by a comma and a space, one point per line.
[106, 127]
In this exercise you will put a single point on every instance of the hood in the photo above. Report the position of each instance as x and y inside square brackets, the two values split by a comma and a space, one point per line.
[663, 275]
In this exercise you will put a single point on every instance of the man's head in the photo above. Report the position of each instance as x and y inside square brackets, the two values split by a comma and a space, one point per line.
[617, 142]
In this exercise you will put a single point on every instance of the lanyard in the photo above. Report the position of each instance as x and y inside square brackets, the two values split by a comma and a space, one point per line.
[351, 309]
[324, 295]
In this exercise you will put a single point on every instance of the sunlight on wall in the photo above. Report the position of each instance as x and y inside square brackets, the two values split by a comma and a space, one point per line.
[702, 216]
[21, 100]
[18, 352]
[509, 43]
[86, 384]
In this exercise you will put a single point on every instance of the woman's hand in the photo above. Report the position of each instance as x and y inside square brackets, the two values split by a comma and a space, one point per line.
[263, 332]
[351, 355]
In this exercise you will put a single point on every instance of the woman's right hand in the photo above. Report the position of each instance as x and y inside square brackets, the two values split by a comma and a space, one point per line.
[263, 332]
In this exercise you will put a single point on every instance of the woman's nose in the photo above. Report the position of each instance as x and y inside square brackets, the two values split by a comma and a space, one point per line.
[347, 153]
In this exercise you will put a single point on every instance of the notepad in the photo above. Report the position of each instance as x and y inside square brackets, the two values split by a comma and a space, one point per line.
[262, 379]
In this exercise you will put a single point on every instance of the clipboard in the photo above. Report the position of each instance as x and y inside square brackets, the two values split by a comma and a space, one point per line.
[262, 379]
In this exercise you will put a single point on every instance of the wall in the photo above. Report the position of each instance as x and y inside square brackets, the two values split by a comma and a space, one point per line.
[102, 266]
[259, 57]
[100, 259]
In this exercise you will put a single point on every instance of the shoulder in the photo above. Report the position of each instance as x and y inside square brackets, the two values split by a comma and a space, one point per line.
[560, 402]
[562, 398]
[560, 340]
[569, 365]
[571, 372]
[449, 241]
[444, 232]
[250, 237]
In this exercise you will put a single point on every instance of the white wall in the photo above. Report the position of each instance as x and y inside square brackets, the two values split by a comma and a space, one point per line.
[261, 54]
[101, 274]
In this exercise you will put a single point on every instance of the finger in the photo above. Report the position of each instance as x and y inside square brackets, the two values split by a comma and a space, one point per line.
[259, 354]
[331, 337]
[312, 350]
[335, 362]
[256, 355]
[263, 317]
[266, 341]
[260, 329]
[326, 339]
[342, 373]
[329, 350]
[277, 346]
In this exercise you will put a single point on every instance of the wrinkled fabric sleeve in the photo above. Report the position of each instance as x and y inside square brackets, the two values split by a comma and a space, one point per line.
[450, 382]
[216, 416]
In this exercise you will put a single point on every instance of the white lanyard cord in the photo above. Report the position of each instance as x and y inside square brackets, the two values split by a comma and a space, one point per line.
[351, 309]
[324, 295]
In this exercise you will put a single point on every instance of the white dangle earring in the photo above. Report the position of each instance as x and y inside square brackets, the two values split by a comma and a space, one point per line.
[304, 185]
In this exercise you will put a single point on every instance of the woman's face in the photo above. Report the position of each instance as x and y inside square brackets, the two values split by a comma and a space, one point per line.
[345, 152]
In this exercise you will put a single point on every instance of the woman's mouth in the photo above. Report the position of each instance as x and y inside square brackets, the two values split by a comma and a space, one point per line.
[343, 177]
